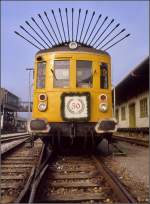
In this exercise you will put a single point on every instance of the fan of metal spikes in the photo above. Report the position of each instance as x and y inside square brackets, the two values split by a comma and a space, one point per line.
[66, 28]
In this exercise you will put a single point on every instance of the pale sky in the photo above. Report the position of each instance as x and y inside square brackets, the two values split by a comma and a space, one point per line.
[17, 55]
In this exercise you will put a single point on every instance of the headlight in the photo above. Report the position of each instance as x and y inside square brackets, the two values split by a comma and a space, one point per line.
[42, 106]
[103, 107]
[73, 45]
[103, 97]
[42, 97]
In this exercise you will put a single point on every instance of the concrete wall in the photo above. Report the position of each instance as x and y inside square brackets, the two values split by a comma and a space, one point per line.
[140, 122]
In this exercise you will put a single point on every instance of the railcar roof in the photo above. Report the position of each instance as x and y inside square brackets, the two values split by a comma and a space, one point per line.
[67, 49]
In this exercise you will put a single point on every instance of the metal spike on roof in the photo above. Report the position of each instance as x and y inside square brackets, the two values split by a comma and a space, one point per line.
[72, 24]
[83, 25]
[85, 28]
[67, 24]
[78, 24]
[62, 25]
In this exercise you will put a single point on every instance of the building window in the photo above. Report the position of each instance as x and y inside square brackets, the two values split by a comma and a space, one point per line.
[61, 73]
[143, 108]
[84, 73]
[104, 76]
[123, 113]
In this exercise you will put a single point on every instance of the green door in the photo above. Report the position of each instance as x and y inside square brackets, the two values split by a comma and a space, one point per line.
[117, 115]
[132, 119]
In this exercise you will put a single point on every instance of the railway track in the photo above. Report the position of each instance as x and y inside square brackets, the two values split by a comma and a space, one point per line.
[17, 169]
[77, 179]
[32, 177]
[11, 137]
[133, 140]
[9, 143]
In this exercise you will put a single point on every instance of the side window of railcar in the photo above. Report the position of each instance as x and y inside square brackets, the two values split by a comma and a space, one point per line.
[61, 73]
[41, 71]
[84, 73]
[103, 76]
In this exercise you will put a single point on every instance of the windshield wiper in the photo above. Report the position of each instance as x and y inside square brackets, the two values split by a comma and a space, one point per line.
[53, 74]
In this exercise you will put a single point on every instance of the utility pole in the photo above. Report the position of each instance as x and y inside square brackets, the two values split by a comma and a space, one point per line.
[29, 106]
[114, 101]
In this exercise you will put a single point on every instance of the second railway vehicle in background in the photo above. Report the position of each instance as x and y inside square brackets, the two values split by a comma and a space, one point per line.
[9, 104]
[10, 121]
[72, 100]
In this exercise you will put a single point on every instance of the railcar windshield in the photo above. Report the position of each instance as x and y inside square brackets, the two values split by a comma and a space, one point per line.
[104, 76]
[61, 73]
[84, 73]
[41, 74]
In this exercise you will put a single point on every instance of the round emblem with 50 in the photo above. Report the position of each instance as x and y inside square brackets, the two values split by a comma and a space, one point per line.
[75, 106]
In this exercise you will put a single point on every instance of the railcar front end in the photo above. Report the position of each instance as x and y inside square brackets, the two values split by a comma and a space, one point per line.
[72, 98]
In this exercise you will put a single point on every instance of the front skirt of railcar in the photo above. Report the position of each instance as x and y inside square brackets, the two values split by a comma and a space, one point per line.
[76, 130]
[78, 134]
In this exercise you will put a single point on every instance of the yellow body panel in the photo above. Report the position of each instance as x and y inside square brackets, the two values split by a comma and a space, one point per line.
[53, 113]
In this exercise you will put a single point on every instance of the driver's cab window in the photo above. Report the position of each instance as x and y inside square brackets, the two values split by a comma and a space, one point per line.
[84, 76]
[61, 73]
[103, 76]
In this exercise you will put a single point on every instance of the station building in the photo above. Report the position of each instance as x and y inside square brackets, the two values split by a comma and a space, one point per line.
[132, 98]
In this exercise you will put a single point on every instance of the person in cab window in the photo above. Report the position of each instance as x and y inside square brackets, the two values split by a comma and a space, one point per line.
[104, 76]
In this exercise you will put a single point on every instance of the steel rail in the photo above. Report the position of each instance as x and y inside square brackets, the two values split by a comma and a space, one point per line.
[132, 140]
[120, 190]
[115, 184]
[10, 138]
[40, 171]
[8, 135]
[25, 191]
[22, 198]
[36, 183]
[11, 147]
